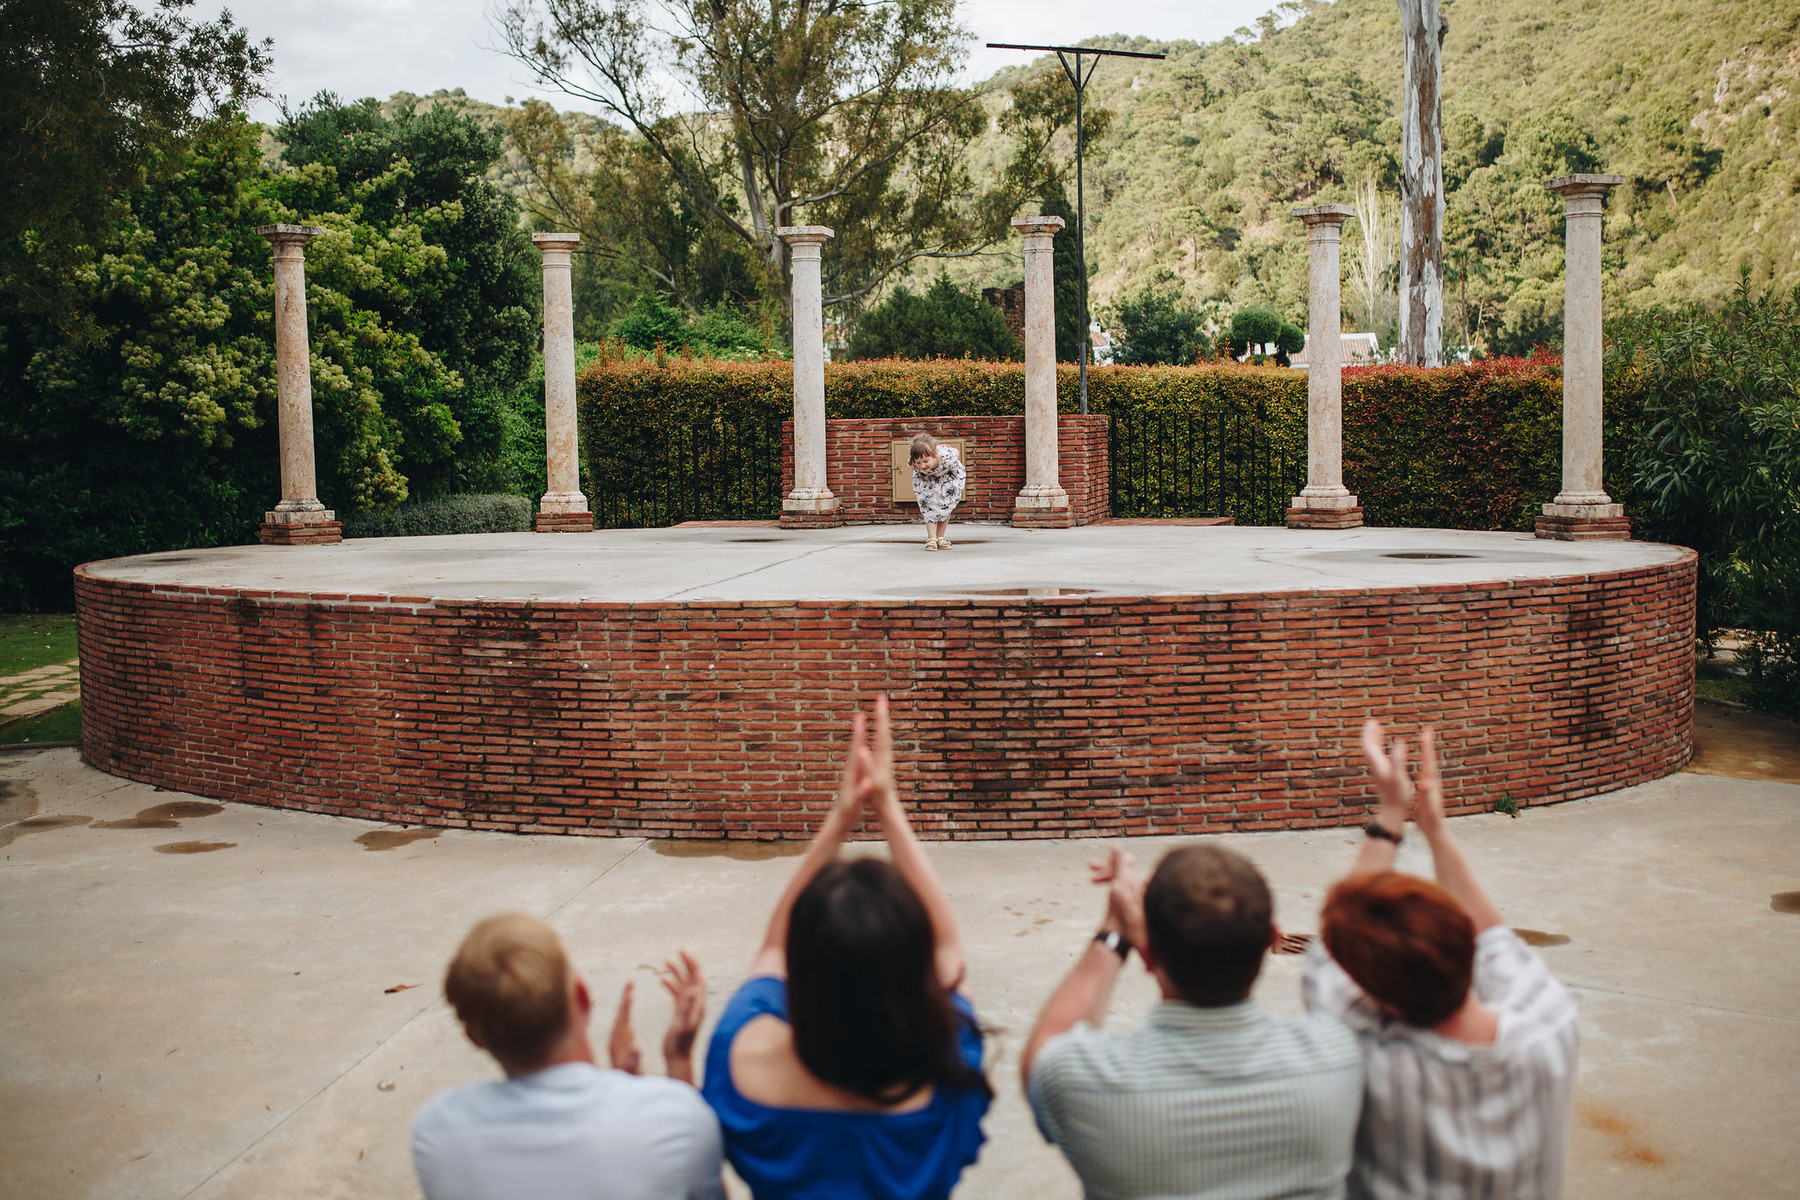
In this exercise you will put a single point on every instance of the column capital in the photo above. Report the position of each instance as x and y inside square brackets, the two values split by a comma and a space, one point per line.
[1330, 215]
[288, 235]
[804, 235]
[1574, 187]
[550, 243]
[1038, 226]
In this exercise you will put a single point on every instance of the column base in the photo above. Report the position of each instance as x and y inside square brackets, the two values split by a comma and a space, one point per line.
[812, 520]
[1043, 518]
[564, 522]
[1582, 529]
[1325, 518]
[290, 533]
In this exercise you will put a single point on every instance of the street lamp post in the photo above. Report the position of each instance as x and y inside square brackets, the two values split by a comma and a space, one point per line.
[1078, 79]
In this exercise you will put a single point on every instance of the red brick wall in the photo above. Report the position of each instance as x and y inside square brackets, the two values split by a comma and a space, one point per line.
[1016, 719]
[856, 465]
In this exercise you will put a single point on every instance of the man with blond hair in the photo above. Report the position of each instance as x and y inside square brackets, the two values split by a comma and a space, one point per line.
[558, 1127]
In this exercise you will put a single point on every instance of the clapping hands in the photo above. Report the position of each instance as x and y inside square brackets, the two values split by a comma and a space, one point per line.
[1125, 885]
[1398, 798]
[687, 986]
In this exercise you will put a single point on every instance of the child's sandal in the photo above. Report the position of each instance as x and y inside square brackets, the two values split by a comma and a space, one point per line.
[931, 543]
[943, 543]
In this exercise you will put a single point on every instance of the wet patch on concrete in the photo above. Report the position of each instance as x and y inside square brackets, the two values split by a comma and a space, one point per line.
[1744, 745]
[1537, 937]
[192, 847]
[393, 839]
[13, 833]
[1625, 1145]
[734, 848]
[165, 816]
[1786, 902]
[17, 801]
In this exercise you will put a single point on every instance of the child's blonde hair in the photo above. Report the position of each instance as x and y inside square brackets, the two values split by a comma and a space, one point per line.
[923, 446]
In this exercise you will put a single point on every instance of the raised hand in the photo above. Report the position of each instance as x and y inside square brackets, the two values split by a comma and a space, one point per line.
[1429, 812]
[621, 1043]
[1393, 785]
[878, 788]
[1124, 894]
[688, 990]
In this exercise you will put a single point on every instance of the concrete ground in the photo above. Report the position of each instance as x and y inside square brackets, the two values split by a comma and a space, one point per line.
[735, 562]
[224, 1001]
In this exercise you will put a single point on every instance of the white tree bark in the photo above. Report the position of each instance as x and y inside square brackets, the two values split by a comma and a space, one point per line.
[1422, 186]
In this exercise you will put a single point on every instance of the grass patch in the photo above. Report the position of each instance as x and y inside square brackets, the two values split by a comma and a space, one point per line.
[1713, 682]
[31, 640]
[60, 724]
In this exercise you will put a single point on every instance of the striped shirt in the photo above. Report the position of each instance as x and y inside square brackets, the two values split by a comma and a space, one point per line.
[1215, 1103]
[1447, 1119]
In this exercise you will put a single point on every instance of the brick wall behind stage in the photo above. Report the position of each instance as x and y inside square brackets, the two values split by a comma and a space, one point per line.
[1016, 719]
[856, 465]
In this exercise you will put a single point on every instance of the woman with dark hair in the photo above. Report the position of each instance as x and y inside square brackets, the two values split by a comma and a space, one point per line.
[849, 1065]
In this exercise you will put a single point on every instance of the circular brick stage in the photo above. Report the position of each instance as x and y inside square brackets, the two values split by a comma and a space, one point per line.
[694, 682]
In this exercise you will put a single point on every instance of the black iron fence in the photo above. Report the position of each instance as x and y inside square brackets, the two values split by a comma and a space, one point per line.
[713, 470]
[1201, 465]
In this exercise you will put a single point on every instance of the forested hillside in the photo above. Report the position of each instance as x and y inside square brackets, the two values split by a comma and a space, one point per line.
[1696, 103]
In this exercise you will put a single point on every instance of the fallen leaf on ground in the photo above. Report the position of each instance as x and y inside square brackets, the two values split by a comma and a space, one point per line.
[399, 987]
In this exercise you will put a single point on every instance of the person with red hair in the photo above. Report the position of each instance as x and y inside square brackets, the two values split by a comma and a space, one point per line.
[1469, 1043]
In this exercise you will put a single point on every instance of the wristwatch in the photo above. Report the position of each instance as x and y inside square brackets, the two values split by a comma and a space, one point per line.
[1112, 940]
[1376, 829]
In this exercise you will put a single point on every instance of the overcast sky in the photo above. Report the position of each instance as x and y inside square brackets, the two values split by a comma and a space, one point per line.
[362, 48]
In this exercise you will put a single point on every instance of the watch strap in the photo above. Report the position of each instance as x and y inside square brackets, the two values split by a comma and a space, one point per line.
[1376, 829]
[1114, 941]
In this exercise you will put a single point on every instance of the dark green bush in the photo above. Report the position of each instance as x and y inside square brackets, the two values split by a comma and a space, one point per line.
[942, 322]
[1716, 463]
[450, 514]
[1154, 328]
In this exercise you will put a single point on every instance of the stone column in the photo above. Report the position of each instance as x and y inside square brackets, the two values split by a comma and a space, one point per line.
[563, 509]
[810, 505]
[1324, 503]
[1042, 502]
[1582, 510]
[299, 518]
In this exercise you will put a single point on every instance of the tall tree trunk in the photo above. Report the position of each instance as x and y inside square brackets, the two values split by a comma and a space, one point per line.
[1422, 186]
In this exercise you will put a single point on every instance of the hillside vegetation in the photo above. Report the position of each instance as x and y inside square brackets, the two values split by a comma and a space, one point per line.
[1696, 103]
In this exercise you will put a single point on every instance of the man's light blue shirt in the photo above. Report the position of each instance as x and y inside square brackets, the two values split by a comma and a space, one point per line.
[569, 1132]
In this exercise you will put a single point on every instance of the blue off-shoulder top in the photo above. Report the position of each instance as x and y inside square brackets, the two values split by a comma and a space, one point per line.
[820, 1154]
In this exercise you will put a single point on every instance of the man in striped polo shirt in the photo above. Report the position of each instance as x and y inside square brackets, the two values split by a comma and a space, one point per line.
[1209, 1098]
[1468, 1040]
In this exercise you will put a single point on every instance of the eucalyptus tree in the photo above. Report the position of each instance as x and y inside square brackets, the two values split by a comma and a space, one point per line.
[1422, 185]
[767, 113]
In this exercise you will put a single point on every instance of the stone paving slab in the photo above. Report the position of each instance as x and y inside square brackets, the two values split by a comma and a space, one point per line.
[40, 690]
[884, 562]
[219, 1023]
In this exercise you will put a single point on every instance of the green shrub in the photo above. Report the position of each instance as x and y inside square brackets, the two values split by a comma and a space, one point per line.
[450, 514]
[1154, 328]
[1716, 465]
[942, 322]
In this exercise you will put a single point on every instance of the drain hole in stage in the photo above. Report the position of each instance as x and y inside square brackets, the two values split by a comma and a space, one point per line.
[744, 850]
[1424, 554]
[759, 539]
[1537, 937]
[1293, 943]
[1786, 902]
[1043, 592]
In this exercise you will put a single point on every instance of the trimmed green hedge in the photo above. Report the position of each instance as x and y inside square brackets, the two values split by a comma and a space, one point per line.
[1476, 446]
[450, 514]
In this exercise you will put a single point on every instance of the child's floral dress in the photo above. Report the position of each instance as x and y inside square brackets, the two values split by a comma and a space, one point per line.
[940, 491]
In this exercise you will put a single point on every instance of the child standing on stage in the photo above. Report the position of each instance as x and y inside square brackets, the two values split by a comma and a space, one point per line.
[938, 478]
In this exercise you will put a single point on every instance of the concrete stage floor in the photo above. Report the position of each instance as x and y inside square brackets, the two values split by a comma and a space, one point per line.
[207, 1006]
[884, 562]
